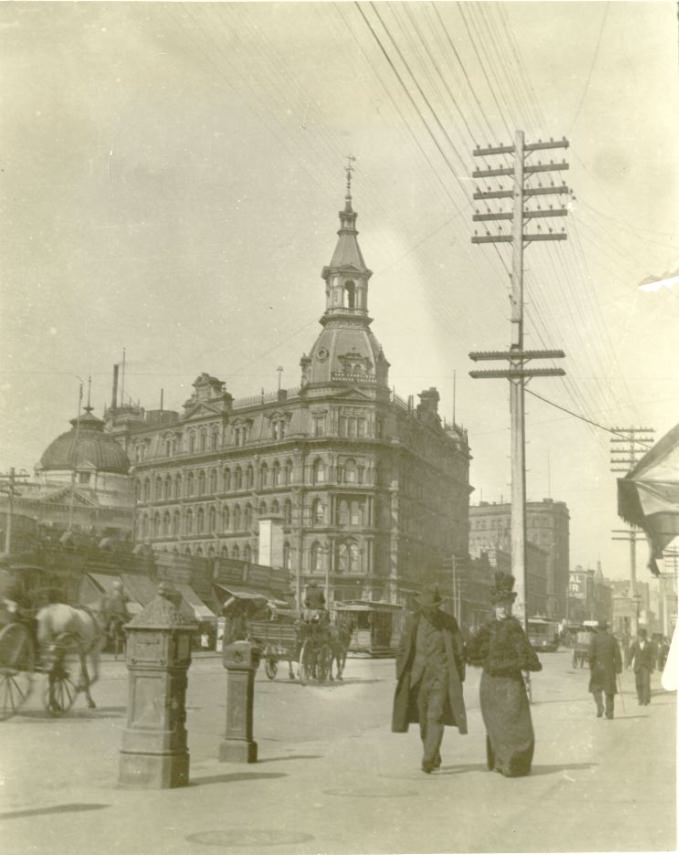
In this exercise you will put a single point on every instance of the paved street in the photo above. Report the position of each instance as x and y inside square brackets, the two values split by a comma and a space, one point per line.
[332, 778]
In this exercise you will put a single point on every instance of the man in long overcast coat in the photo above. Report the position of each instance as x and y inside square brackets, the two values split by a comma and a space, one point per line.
[605, 663]
[430, 671]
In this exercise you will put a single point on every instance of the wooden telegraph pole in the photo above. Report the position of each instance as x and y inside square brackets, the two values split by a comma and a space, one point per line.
[522, 193]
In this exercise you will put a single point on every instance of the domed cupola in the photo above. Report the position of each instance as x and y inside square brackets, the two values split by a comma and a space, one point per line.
[346, 351]
[84, 445]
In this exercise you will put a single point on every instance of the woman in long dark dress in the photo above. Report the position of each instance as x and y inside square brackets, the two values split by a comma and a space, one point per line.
[502, 649]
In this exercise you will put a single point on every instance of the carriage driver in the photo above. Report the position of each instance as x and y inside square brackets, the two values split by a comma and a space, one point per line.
[315, 610]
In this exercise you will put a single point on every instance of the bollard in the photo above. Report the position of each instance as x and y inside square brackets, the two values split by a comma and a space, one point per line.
[241, 660]
[154, 750]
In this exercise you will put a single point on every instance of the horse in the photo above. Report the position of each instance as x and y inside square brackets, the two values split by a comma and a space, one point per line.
[64, 629]
[340, 638]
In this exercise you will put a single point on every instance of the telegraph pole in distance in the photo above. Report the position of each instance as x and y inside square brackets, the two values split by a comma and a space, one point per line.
[517, 373]
[8, 485]
[636, 442]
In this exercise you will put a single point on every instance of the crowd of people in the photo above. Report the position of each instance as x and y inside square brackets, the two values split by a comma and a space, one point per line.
[431, 666]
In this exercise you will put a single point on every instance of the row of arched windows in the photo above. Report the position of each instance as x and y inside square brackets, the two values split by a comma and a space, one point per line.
[210, 520]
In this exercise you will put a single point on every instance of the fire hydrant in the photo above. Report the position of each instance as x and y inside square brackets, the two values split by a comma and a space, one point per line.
[241, 660]
[154, 750]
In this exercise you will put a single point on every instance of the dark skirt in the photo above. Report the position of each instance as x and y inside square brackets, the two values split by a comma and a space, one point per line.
[510, 740]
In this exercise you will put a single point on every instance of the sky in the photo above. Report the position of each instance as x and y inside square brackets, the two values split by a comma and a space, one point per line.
[170, 181]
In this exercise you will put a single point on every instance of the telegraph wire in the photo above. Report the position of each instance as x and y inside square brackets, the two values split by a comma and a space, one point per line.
[591, 67]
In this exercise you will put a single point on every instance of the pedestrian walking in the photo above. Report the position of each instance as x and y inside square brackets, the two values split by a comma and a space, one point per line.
[430, 672]
[501, 647]
[642, 659]
[605, 662]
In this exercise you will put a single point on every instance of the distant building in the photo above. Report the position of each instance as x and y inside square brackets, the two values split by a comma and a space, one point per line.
[536, 574]
[547, 527]
[357, 488]
[590, 595]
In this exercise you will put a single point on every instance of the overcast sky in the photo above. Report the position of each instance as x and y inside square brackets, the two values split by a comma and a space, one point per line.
[171, 176]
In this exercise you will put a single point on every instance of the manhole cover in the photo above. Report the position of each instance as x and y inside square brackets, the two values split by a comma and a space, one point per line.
[369, 793]
[232, 837]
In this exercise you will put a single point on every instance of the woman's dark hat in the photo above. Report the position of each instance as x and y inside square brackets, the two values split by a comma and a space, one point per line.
[428, 598]
[502, 590]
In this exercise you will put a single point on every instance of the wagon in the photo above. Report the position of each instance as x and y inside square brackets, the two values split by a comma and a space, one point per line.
[276, 641]
[308, 644]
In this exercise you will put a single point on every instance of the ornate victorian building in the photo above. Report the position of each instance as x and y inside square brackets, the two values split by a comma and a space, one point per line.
[347, 483]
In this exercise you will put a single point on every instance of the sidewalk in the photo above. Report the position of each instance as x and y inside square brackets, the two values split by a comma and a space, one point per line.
[331, 778]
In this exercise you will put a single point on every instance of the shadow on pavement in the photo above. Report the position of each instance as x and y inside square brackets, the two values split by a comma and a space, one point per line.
[74, 808]
[536, 770]
[290, 757]
[233, 777]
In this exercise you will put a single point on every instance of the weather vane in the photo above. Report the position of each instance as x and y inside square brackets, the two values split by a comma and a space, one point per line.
[349, 169]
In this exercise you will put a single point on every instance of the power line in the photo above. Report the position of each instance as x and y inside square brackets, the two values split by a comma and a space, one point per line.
[591, 68]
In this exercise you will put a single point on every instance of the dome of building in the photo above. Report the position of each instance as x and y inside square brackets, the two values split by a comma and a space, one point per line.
[85, 444]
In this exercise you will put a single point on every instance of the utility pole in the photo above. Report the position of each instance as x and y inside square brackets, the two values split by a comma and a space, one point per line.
[631, 443]
[8, 485]
[524, 209]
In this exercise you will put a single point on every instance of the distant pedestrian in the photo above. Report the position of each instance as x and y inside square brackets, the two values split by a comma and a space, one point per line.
[605, 662]
[430, 671]
[642, 660]
[502, 649]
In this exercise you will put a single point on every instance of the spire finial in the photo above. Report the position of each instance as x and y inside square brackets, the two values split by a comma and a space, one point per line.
[349, 169]
[89, 407]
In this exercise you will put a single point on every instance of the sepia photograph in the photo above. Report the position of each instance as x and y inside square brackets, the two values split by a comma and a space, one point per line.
[339, 419]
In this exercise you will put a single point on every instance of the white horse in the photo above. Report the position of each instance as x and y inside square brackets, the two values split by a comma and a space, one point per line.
[79, 630]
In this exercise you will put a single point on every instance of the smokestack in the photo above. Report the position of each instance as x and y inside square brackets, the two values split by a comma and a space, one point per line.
[162, 393]
[114, 394]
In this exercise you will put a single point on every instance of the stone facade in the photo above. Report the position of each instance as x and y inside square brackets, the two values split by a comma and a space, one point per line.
[547, 526]
[372, 491]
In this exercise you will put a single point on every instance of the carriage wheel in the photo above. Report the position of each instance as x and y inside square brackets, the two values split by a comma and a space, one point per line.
[62, 688]
[17, 655]
[324, 663]
[271, 667]
[306, 663]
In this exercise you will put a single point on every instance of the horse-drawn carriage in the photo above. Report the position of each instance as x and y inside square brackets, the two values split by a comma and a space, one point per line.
[38, 636]
[307, 638]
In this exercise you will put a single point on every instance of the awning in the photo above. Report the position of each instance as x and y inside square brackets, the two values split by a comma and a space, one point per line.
[200, 611]
[139, 588]
[104, 582]
[242, 594]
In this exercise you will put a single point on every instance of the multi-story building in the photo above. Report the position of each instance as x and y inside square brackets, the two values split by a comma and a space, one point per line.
[369, 492]
[547, 526]
[590, 595]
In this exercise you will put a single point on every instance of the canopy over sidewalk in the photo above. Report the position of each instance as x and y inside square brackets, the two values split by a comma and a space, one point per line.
[648, 496]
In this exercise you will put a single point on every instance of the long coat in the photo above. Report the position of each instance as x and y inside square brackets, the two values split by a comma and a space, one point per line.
[405, 709]
[604, 662]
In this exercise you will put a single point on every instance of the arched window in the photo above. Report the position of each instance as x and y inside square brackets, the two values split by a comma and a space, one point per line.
[166, 523]
[275, 507]
[156, 525]
[201, 520]
[349, 472]
[192, 441]
[262, 509]
[350, 291]
[288, 472]
[199, 550]
[187, 551]
[224, 551]
[227, 480]
[247, 552]
[236, 518]
[343, 512]
[225, 518]
[235, 552]
[264, 476]
[239, 478]
[214, 438]
[213, 481]
[212, 520]
[286, 555]
[168, 447]
[315, 557]
[188, 528]
[177, 486]
[175, 522]
[287, 512]
[203, 439]
[357, 513]
[248, 517]
[318, 472]
[201, 483]
[189, 484]
[168, 488]
[147, 489]
[276, 474]
[317, 512]
[211, 552]
[144, 527]
[250, 477]
[138, 490]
